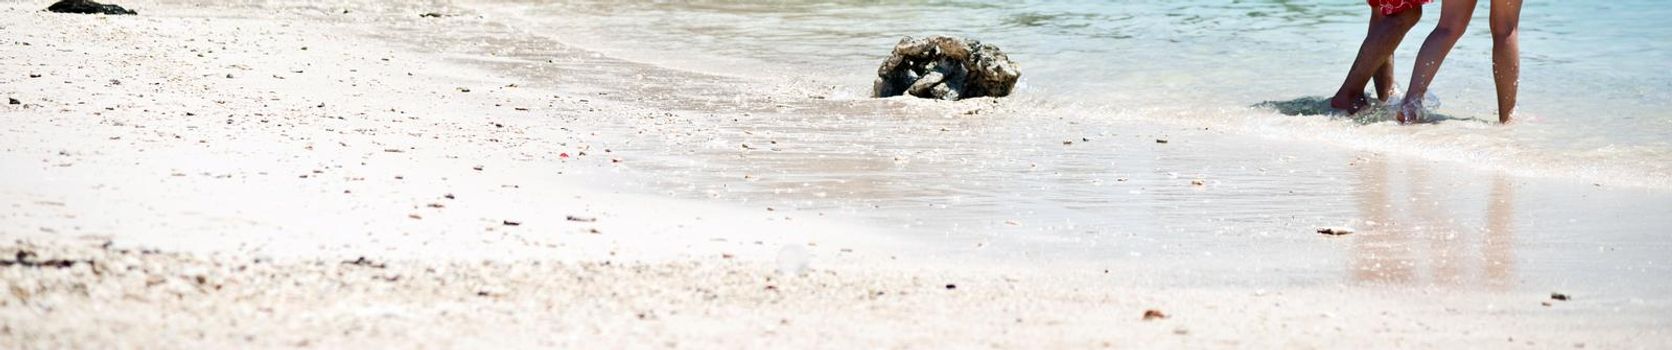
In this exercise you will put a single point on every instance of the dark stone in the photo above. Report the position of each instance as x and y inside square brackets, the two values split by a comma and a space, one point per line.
[13, 101]
[946, 68]
[88, 7]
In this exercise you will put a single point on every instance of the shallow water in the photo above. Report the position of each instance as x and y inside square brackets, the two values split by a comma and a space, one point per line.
[1071, 172]
[1595, 92]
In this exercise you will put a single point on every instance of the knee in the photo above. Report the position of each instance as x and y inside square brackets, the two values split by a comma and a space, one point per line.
[1502, 32]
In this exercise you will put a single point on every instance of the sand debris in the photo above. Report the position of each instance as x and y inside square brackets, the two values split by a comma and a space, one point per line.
[25, 258]
[362, 261]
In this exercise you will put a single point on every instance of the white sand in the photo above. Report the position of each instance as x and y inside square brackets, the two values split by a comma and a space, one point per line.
[200, 210]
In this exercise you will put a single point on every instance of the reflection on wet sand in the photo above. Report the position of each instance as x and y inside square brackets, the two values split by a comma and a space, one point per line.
[1499, 247]
[1416, 232]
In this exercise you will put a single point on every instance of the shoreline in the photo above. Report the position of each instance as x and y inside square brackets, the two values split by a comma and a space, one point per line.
[1288, 116]
[239, 188]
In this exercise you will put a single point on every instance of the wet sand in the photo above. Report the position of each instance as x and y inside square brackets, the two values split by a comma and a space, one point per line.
[294, 176]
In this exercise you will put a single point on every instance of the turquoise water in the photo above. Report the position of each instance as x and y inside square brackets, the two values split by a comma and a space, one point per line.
[1597, 75]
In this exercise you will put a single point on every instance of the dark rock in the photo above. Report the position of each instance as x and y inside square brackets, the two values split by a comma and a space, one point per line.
[432, 15]
[1559, 296]
[13, 101]
[88, 7]
[946, 68]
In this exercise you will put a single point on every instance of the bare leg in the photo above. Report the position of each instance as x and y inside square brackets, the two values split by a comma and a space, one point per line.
[1383, 37]
[1384, 80]
[1506, 54]
[1454, 19]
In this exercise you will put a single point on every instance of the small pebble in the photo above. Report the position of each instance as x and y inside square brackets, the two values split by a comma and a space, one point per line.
[1153, 314]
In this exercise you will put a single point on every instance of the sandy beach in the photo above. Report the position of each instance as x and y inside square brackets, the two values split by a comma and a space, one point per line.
[305, 175]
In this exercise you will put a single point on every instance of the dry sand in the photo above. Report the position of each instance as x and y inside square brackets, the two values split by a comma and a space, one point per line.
[273, 175]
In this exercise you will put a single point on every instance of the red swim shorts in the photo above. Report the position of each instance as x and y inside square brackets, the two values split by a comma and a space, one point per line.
[1390, 7]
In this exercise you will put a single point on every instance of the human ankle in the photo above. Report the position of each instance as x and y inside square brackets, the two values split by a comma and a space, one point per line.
[1344, 101]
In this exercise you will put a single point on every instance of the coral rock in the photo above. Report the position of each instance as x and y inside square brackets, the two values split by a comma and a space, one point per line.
[945, 68]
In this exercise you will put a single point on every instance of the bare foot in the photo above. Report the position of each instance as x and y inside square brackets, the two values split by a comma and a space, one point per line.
[1410, 111]
[1349, 104]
